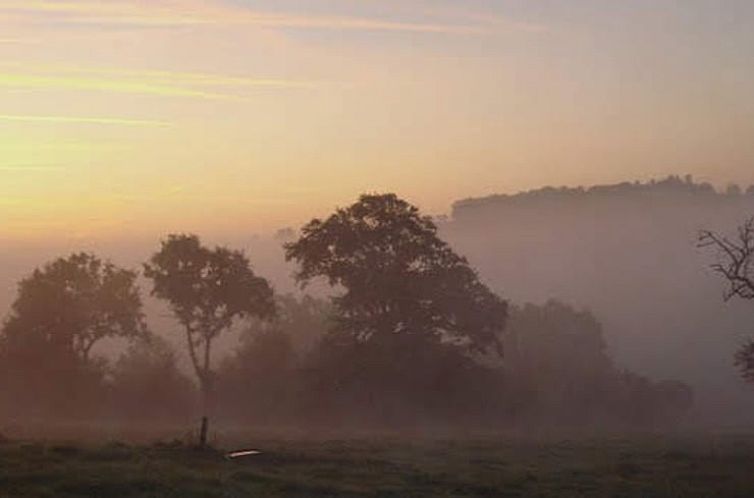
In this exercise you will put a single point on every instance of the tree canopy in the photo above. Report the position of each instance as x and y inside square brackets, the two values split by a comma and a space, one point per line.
[207, 289]
[562, 373]
[398, 277]
[72, 303]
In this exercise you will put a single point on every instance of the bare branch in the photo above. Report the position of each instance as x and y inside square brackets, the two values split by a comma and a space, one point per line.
[735, 259]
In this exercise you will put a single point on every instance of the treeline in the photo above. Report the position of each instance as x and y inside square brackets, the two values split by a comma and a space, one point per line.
[666, 188]
[411, 338]
[555, 372]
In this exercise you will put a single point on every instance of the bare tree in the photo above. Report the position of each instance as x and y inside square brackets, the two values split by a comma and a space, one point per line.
[735, 262]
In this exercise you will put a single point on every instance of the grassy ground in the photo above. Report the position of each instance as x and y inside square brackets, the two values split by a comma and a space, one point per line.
[722, 467]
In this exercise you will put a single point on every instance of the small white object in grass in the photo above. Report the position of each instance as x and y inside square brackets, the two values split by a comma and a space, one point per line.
[242, 453]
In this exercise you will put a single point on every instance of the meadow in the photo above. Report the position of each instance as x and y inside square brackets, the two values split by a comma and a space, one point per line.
[649, 466]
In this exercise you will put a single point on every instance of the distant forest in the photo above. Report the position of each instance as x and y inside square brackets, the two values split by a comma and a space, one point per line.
[667, 188]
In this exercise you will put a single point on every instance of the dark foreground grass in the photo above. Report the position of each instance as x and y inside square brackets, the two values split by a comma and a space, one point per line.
[701, 467]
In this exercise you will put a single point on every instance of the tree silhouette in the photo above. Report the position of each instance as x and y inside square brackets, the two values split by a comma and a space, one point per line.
[73, 303]
[146, 383]
[61, 312]
[257, 381]
[207, 290]
[263, 379]
[559, 364]
[399, 278]
[305, 319]
[736, 265]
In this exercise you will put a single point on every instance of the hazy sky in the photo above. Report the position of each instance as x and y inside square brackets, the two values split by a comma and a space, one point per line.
[134, 117]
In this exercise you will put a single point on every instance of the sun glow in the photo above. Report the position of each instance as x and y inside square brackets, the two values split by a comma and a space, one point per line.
[216, 114]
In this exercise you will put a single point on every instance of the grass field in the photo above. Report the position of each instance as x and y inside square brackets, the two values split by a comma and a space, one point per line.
[649, 467]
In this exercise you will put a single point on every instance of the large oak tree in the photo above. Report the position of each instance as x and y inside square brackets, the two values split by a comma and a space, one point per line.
[397, 276]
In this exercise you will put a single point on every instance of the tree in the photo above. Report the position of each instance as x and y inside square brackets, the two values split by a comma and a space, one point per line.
[73, 303]
[558, 349]
[735, 259]
[267, 364]
[304, 319]
[146, 382]
[561, 373]
[207, 290]
[409, 316]
[257, 381]
[557, 365]
[62, 311]
[400, 280]
[736, 265]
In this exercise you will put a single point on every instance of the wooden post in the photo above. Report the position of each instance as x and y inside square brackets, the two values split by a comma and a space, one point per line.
[203, 433]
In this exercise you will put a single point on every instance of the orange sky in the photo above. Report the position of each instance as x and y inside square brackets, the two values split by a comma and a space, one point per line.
[137, 117]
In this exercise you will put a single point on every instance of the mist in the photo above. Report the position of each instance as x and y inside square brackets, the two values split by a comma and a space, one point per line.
[617, 265]
[628, 253]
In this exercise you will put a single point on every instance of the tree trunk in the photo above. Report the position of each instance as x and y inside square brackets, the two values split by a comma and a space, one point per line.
[206, 390]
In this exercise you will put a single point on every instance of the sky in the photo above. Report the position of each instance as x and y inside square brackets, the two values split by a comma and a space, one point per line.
[124, 118]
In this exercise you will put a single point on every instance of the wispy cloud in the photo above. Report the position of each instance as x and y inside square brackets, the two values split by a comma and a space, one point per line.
[29, 168]
[268, 20]
[33, 81]
[498, 23]
[60, 8]
[142, 82]
[82, 120]
[17, 41]
[181, 78]
[485, 20]
[162, 13]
